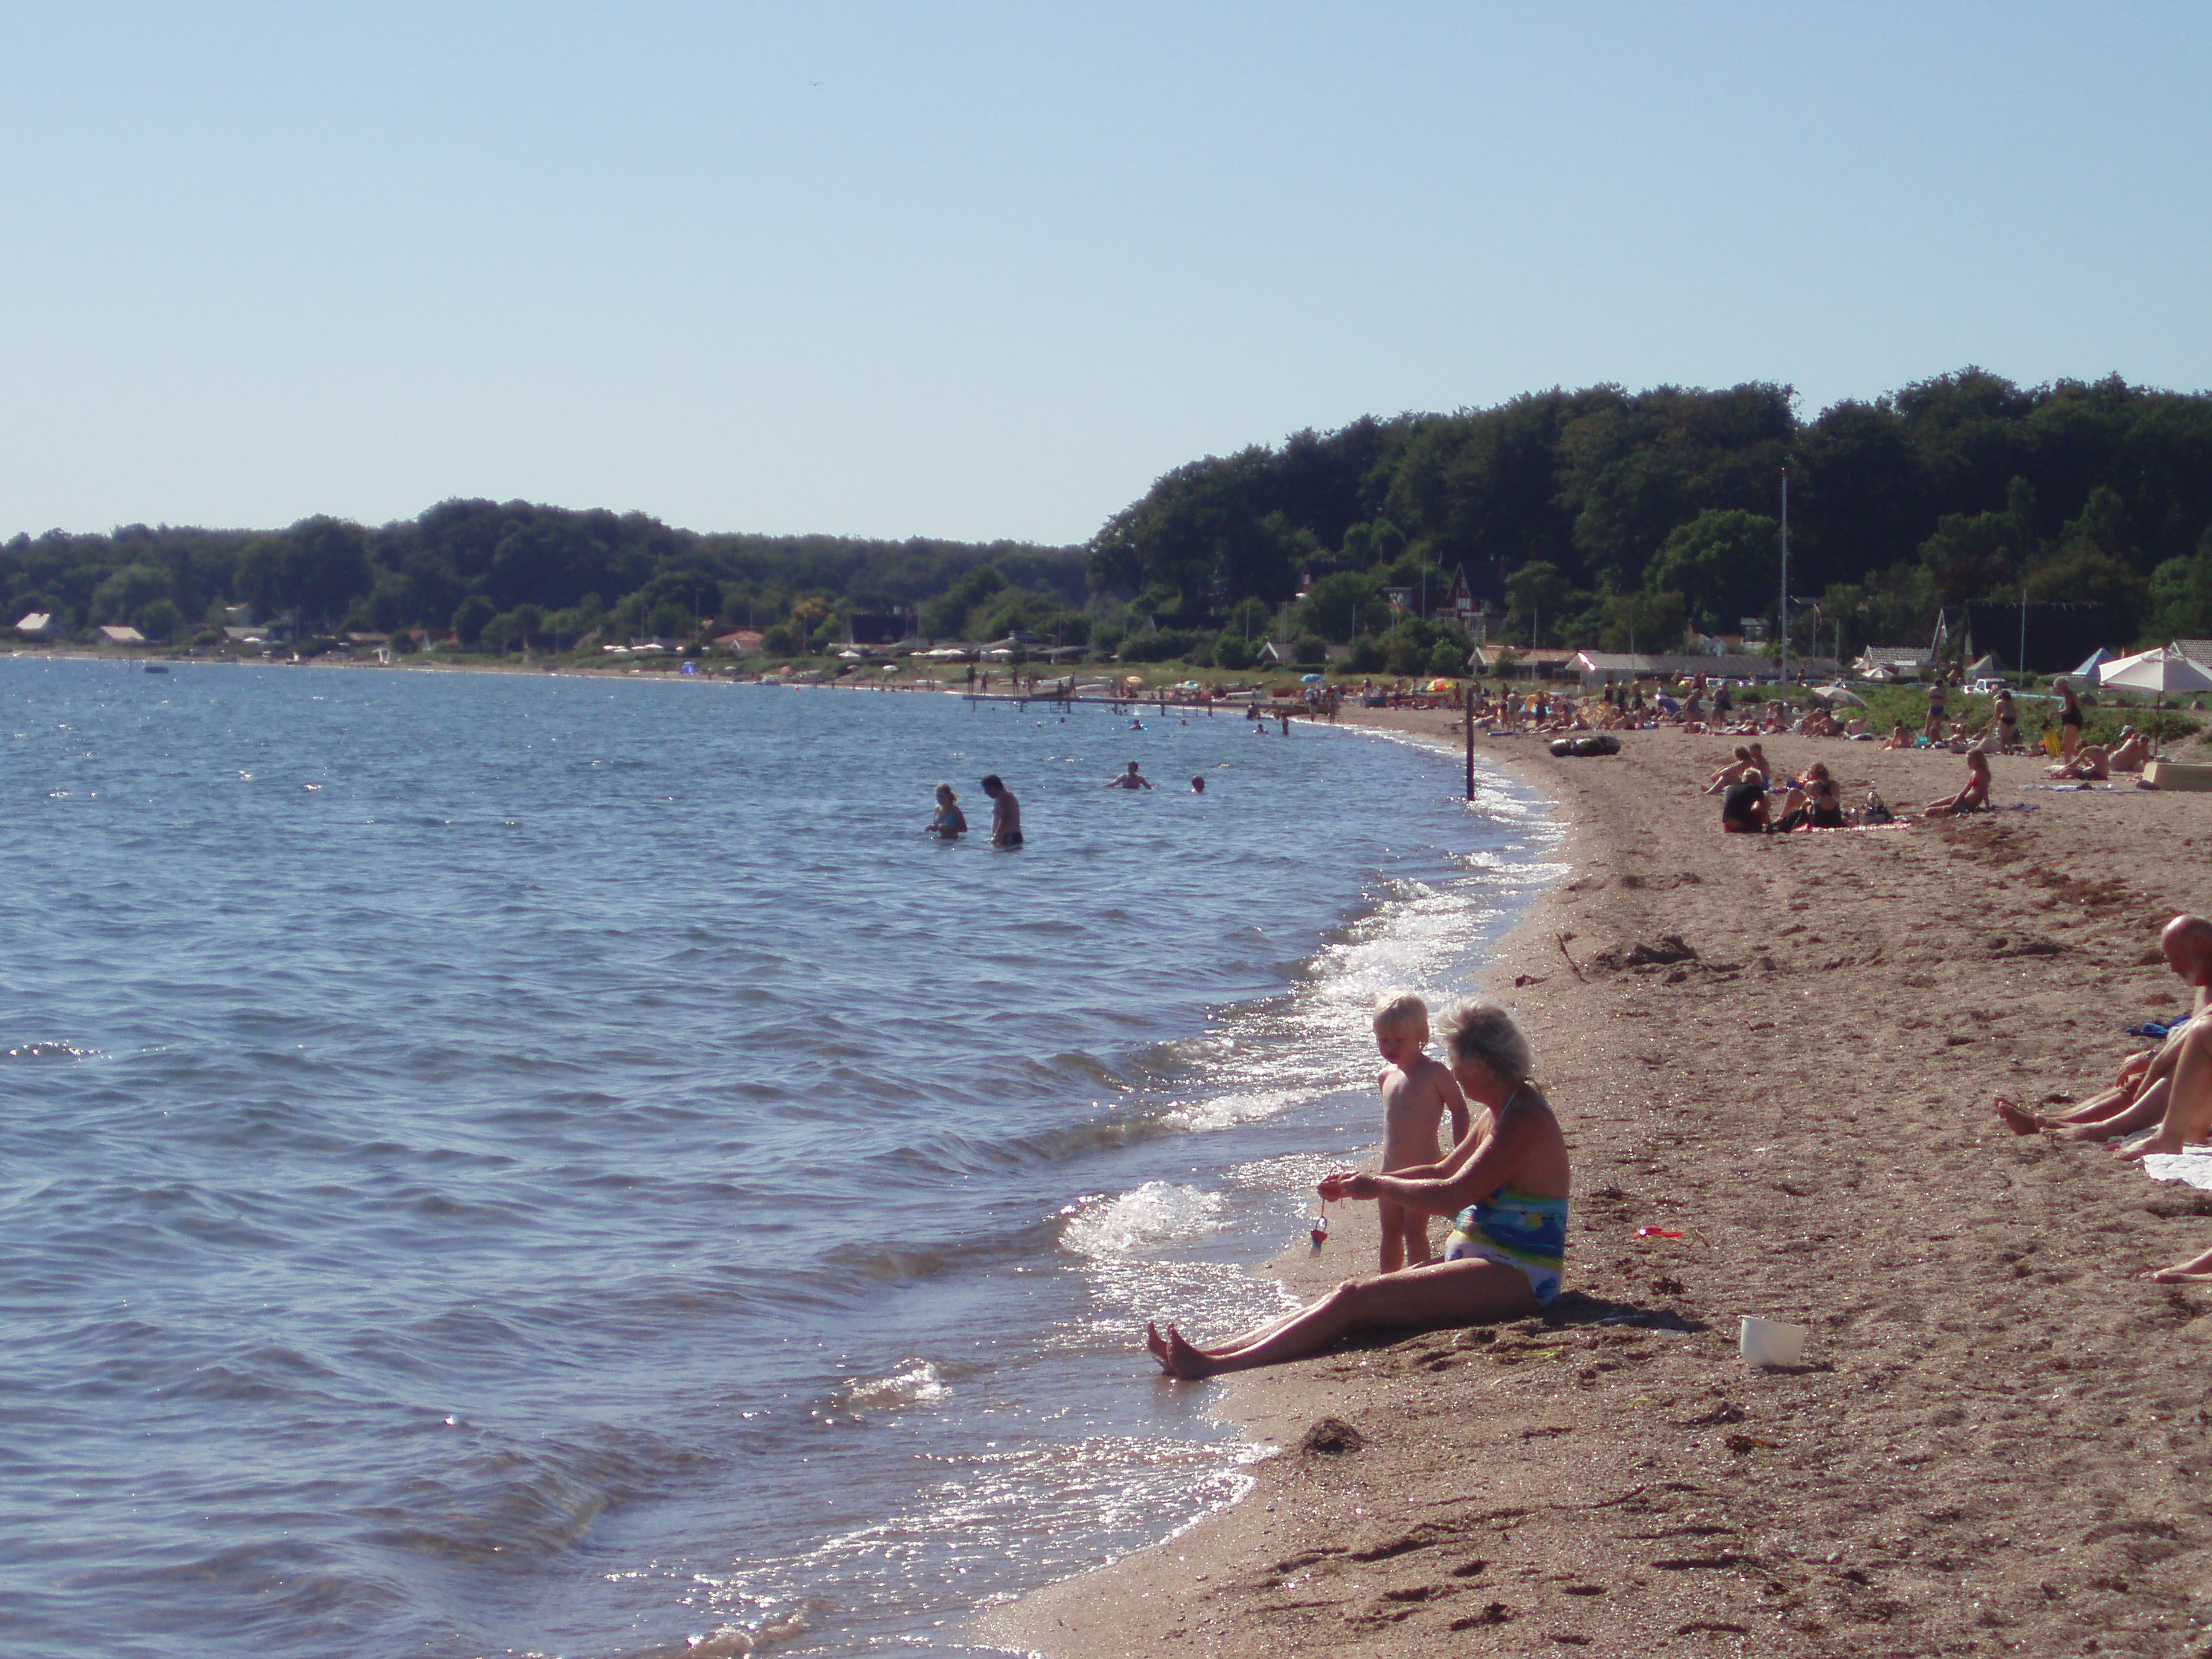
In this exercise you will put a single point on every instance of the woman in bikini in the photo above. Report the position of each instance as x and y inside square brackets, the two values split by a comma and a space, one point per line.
[1817, 799]
[2070, 721]
[1973, 799]
[1506, 1185]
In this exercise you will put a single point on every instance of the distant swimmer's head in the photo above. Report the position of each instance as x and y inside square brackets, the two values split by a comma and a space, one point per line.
[1132, 768]
[2188, 943]
[1401, 1027]
[1482, 1038]
[1198, 785]
[945, 795]
[992, 786]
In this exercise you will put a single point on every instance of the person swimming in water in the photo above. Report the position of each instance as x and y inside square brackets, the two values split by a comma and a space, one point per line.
[1130, 779]
[951, 820]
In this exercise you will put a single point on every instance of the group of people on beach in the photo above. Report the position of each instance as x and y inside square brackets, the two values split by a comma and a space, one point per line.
[1502, 1178]
[1813, 800]
[2166, 1091]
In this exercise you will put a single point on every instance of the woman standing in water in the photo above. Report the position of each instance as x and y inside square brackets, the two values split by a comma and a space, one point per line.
[1506, 1185]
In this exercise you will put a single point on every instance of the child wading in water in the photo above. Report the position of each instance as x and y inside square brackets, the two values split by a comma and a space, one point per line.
[1416, 1091]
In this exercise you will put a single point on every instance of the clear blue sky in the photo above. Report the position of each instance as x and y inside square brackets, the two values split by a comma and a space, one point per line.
[977, 271]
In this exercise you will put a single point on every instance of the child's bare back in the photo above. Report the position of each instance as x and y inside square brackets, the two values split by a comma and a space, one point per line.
[1416, 1092]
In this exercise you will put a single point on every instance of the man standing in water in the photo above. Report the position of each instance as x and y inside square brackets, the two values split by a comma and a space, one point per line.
[1130, 779]
[1006, 813]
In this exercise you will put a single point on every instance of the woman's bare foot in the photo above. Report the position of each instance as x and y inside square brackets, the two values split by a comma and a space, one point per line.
[1183, 1360]
[2196, 1269]
[1158, 1345]
[2161, 1142]
[2020, 1120]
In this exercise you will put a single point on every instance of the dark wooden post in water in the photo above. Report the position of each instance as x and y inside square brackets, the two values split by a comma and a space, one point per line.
[1470, 740]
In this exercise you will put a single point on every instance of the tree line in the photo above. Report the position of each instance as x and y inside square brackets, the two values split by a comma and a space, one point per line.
[498, 575]
[1598, 516]
[1621, 519]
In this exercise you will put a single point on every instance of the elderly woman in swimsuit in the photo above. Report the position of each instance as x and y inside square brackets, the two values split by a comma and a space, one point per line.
[1506, 1185]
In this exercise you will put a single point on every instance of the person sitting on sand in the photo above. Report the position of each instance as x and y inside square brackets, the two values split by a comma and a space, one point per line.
[1812, 801]
[1506, 1187]
[2084, 1120]
[1130, 779]
[1974, 798]
[1744, 806]
[1899, 737]
[2131, 753]
[2138, 1098]
[1734, 772]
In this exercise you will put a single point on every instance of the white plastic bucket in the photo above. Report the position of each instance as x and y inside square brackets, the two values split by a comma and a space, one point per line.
[1771, 1342]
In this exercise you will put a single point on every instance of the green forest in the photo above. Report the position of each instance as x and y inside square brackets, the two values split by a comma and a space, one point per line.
[1599, 517]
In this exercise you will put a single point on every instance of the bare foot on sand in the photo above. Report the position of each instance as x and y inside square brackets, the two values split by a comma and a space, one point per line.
[2196, 1271]
[2020, 1120]
[2163, 1141]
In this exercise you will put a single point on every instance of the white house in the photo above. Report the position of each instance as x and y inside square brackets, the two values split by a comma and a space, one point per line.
[38, 624]
[115, 635]
[1893, 662]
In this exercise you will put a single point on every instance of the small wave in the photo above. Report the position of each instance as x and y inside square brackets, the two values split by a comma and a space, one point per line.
[1152, 1216]
[916, 1382]
[1227, 1111]
[49, 1051]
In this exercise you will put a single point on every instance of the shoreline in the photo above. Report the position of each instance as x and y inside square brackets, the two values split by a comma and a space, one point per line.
[1996, 1441]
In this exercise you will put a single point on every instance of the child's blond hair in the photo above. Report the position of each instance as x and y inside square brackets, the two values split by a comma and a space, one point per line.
[1403, 1012]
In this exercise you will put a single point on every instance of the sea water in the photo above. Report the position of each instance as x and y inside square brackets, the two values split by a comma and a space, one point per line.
[565, 1166]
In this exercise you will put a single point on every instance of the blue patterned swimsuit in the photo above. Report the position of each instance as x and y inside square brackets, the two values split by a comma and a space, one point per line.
[1516, 1230]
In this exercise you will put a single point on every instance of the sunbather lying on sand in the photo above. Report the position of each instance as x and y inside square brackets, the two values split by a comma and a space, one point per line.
[2131, 753]
[2091, 761]
[1973, 799]
[1506, 1185]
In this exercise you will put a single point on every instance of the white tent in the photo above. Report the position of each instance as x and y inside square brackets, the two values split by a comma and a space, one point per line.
[2092, 665]
[2160, 671]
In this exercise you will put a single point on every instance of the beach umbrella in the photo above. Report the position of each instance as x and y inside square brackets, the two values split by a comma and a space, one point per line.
[1835, 694]
[1309, 679]
[2159, 672]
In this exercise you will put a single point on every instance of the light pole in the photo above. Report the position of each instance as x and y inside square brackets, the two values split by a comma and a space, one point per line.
[1785, 574]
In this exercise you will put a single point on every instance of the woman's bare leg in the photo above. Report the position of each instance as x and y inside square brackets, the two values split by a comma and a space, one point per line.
[2149, 1106]
[2196, 1267]
[1465, 1292]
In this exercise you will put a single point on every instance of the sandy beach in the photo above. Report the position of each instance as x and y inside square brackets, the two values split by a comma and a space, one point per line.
[1998, 1440]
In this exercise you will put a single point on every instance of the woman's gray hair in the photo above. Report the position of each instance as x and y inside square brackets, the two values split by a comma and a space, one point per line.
[1484, 1031]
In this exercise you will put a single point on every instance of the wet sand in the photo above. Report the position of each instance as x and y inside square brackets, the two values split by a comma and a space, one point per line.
[1998, 1442]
